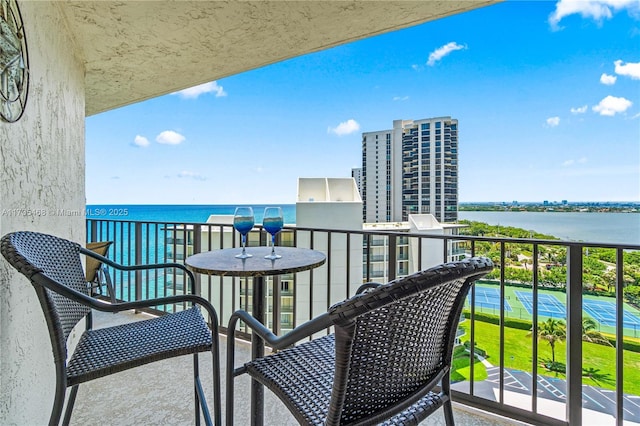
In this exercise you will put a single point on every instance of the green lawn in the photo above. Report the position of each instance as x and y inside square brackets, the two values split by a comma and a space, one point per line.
[597, 359]
[460, 371]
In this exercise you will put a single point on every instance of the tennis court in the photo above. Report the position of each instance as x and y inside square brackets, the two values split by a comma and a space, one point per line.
[488, 298]
[548, 305]
[552, 305]
[605, 313]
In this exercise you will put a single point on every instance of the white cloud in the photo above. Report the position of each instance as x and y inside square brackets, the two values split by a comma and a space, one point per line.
[579, 110]
[401, 98]
[608, 79]
[597, 10]
[630, 69]
[345, 128]
[612, 105]
[443, 51]
[191, 175]
[169, 137]
[553, 121]
[141, 141]
[571, 162]
[194, 92]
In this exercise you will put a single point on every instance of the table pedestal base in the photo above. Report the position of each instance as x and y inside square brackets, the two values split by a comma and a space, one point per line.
[257, 351]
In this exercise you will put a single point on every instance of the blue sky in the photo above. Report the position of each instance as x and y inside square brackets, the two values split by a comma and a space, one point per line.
[547, 95]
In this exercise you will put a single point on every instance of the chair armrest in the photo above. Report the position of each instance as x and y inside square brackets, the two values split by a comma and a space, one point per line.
[366, 286]
[118, 266]
[99, 305]
[307, 329]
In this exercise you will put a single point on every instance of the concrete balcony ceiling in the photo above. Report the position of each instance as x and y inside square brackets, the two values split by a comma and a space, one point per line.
[136, 50]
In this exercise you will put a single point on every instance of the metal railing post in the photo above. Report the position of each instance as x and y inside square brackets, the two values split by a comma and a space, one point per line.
[574, 334]
[94, 230]
[501, 329]
[534, 334]
[197, 244]
[445, 250]
[619, 415]
[393, 257]
[368, 259]
[138, 259]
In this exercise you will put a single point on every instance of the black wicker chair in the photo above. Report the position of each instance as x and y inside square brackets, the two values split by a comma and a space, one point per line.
[53, 265]
[390, 352]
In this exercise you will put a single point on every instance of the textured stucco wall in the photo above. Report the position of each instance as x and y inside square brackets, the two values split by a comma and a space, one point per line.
[42, 168]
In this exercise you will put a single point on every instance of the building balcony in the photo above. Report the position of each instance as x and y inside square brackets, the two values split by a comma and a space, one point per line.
[534, 281]
[137, 396]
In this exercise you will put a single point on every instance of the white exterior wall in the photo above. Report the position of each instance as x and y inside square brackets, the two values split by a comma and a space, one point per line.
[396, 165]
[228, 234]
[42, 162]
[337, 205]
[376, 208]
[356, 173]
[432, 249]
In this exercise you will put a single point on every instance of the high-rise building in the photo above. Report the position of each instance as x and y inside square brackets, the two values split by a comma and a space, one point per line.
[356, 174]
[411, 169]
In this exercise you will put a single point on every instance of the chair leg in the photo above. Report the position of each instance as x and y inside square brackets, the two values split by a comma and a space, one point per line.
[70, 403]
[230, 376]
[448, 413]
[447, 406]
[58, 401]
[195, 388]
[217, 398]
[200, 399]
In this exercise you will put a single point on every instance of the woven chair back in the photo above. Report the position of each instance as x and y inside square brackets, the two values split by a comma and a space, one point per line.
[101, 248]
[59, 260]
[403, 337]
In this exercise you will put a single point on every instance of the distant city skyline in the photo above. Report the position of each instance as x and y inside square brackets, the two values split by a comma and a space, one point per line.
[547, 95]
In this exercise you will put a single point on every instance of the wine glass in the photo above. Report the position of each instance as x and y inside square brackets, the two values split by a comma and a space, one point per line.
[243, 222]
[272, 222]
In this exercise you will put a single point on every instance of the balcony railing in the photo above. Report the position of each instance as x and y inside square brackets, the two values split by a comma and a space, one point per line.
[505, 313]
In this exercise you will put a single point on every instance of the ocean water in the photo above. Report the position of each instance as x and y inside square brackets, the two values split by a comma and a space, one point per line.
[180, 213]
[616, 228]
[621, 228]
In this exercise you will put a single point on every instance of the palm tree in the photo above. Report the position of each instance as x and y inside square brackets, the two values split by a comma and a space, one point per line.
[552, 331]
[609, 277]
[591, 334]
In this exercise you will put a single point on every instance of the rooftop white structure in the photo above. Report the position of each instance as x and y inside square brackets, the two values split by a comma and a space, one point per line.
[333, 203]
[412, 253]
[329, 203]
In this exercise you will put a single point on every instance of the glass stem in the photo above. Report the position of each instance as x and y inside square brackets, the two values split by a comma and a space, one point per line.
[273, 244]
[244, 243]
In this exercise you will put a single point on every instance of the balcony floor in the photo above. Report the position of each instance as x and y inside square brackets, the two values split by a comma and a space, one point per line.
[162, 393]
